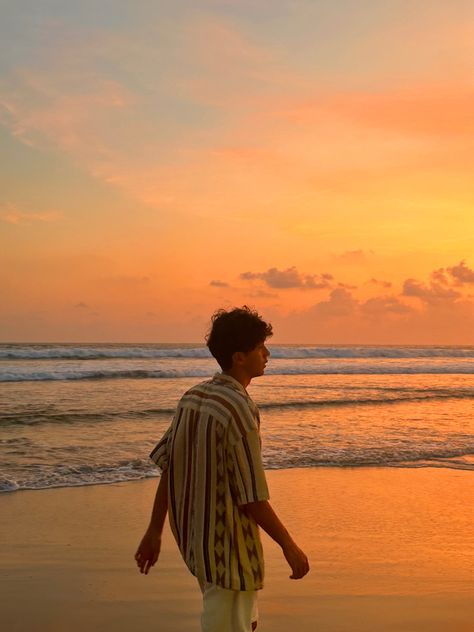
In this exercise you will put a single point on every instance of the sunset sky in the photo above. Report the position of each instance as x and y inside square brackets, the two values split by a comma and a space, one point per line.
[312, 159]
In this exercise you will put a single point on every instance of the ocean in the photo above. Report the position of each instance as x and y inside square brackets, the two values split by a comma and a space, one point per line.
[83, 414]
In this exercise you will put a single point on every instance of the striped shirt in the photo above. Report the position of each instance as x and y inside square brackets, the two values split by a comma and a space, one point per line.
[212, 451]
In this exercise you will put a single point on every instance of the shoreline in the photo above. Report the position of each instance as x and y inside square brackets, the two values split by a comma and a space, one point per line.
[469, 468]
[390, 548]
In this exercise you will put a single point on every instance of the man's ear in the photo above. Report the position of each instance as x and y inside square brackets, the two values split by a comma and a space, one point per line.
[238, 357]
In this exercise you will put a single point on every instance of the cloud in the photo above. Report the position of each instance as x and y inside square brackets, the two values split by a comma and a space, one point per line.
[150, 137]
[462, 273]
[422, 109]
[453, 276]
[380, 320]
[10, 214]
[74, 95]
[290, 278]
[87, 117]
[385, 305]
[42, 110]
[217, 283]
[340, 303]
[347, 286]
[445, 316]
[443, 286]
[218, 43]
[434, 293]
[81, 305]
[439, 276]
[386, 284]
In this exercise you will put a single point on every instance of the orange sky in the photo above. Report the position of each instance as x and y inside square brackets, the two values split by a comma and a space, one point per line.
[313, 160]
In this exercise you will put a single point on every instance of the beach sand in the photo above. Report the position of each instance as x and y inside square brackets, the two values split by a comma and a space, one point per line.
[390, 550]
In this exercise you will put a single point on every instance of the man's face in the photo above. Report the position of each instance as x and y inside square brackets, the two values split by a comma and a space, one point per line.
[254, 361]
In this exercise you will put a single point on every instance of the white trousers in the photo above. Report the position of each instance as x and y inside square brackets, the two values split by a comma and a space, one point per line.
[227, 610]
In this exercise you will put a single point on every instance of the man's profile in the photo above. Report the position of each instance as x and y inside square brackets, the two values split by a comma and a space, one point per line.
[213, 483]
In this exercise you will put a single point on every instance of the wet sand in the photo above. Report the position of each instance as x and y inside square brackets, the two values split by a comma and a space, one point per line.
[390, 549]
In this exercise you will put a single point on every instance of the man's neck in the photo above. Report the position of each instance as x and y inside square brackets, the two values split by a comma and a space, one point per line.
[240, 376]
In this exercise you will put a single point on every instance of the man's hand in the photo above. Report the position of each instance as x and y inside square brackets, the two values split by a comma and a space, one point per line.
[297, 560]
[263, 514]
[148, 551]
[149, 548]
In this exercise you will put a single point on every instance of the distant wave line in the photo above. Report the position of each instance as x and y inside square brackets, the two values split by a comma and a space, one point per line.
[101, 375]
[12, 352]
[314, 369]
[40, 417]
[416, 457]
[365, 401]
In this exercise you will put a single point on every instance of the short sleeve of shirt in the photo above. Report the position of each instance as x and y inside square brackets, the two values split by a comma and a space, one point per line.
[246, 473]
[160, 453]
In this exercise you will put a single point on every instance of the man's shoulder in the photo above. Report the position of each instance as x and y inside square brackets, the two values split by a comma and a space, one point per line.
[211, 388]
[199, 386]
[217, 392]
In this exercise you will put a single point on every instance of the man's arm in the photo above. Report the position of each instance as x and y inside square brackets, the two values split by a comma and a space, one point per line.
[264, 516]
[149, 548]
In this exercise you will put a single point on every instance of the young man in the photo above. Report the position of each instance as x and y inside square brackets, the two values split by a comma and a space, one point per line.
[213, 482]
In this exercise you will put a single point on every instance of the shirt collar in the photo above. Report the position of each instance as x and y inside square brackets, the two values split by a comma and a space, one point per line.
[231, 381]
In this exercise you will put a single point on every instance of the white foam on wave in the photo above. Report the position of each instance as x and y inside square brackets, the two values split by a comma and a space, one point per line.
[100, 352]
[326, 367]
[80, 475]
[360, 352]
[77, 374]
[278, 367]
[64, 476]
[411, 457]
[8, 485]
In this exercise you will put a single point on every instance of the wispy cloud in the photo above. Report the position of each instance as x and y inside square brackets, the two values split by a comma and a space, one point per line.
[340, 303]
[115, 129]
[444, 286]
[387, 318]
[290, 278]
[217, 283]
[11, 214]
[385, 284]
[433, 293]
[347, 286]
[461, 273]
[291, 134]
[41, 111]
[416, 110]
[352, 256]
[380, 306]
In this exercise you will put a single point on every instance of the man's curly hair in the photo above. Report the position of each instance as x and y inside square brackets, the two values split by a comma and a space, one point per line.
[239, 329]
